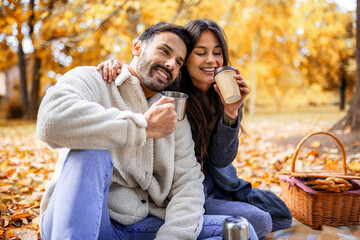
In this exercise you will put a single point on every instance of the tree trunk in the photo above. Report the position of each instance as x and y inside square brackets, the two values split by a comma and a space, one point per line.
[342, 90]
[253, 73]
[23, 84]
[354, 110]
[352, 118]
[34, 100]
[355, 125]
[7, 85]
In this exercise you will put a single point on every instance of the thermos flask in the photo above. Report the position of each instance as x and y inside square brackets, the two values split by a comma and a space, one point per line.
[236, 228]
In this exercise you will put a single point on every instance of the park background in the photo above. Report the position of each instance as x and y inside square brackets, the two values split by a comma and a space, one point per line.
[298, 57]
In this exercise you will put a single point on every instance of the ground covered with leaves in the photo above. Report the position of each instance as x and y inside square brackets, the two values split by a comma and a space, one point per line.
[272, 140]
[27, 164]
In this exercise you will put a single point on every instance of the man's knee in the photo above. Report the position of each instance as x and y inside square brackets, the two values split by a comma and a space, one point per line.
[93, 158]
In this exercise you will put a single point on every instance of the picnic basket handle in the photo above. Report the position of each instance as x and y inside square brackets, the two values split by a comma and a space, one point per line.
[297, 149]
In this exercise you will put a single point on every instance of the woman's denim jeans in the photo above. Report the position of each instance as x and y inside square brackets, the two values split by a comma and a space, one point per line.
[220, 202]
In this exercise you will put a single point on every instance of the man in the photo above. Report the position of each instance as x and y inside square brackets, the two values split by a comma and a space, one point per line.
[147, 182]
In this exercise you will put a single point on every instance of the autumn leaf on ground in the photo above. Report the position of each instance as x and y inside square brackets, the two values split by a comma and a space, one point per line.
[355, 166]
[315, 144]
[26, 164]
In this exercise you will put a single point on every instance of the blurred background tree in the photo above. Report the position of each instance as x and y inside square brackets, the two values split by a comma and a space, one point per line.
[292, 53]
[351, 121]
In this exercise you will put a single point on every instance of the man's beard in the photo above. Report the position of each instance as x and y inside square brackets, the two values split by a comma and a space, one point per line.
[147, 74]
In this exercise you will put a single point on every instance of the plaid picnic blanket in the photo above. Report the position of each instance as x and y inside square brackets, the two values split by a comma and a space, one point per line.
[299, 231]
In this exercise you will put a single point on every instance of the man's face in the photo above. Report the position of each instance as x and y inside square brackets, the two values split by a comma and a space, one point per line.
[160, 60]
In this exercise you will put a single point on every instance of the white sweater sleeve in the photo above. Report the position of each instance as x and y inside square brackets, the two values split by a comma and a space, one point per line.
[76, 113]
[184, 213]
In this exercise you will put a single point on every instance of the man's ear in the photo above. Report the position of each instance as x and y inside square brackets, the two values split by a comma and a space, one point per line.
[136, 50]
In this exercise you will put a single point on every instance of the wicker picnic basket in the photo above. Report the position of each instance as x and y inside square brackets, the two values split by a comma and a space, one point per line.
[317, 208]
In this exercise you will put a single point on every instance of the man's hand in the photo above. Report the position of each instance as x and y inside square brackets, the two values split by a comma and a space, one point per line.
[161, 118]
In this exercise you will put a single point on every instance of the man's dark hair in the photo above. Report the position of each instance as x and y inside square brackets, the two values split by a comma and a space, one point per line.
[160, 27]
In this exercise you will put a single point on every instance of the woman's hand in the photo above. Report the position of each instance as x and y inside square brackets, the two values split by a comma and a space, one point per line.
[232, 109]
[111, 68]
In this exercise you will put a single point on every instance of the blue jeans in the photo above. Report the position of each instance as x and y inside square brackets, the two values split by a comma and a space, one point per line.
[78, 205]
[220, 202]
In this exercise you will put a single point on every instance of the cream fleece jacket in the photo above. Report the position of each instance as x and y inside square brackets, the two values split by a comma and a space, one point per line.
[82, 111]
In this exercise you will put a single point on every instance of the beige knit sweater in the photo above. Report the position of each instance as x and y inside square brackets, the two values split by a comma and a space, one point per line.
[82, 111]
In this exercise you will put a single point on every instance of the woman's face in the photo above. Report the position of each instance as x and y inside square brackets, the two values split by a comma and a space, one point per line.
[204, 59]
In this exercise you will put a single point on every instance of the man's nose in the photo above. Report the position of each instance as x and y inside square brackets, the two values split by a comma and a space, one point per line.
[171, 64]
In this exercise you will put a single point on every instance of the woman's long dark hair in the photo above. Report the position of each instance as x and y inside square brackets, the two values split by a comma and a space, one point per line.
[202, 108]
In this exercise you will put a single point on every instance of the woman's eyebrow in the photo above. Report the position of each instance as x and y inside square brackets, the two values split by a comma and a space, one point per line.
[203, 47]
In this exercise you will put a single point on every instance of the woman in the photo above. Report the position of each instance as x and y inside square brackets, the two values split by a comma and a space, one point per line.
[215, 127]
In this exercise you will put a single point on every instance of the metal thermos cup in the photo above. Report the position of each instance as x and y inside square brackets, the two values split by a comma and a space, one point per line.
[180, 102]
[236, 228]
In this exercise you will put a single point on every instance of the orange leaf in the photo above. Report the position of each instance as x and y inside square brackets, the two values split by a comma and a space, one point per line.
[9, 234]
[10, 197]
[313, 152]
[25, 204]
[24, 181]
[20, 215]
[25, 189]
[3, 208]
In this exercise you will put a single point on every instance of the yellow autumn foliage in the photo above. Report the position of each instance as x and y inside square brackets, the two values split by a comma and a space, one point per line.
[282, 48]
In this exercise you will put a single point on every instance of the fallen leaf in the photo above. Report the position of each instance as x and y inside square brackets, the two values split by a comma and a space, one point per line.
[355, 166]
[5, 222]
[6, 188]
[25, 203]
[10, 197]
[25, 189]
[9, 234]
[315, 144]
[3, 208]
[26, 234]
[20, 215]
[313, 153]
[334, 150]
[25, 181]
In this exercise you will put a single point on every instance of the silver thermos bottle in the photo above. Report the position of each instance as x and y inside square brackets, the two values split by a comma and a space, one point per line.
[236, 228]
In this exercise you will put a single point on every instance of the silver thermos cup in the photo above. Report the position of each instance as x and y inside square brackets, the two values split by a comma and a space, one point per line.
[236, 228]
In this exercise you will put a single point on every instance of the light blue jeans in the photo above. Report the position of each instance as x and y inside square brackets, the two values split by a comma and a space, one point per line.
[78, 206]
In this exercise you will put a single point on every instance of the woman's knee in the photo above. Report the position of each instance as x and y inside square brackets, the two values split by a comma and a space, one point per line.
[262, 223]
[281, 223]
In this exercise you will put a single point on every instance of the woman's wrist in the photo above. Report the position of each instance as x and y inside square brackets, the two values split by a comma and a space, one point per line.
[232, 115]
[228, 120]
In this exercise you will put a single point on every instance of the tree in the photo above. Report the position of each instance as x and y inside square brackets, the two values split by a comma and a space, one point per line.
[327, 44]
[266, 37]
[65, 34]
[53, 30]
[352, 119]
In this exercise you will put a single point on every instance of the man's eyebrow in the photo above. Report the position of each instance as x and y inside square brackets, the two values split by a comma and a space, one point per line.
[170, 48]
